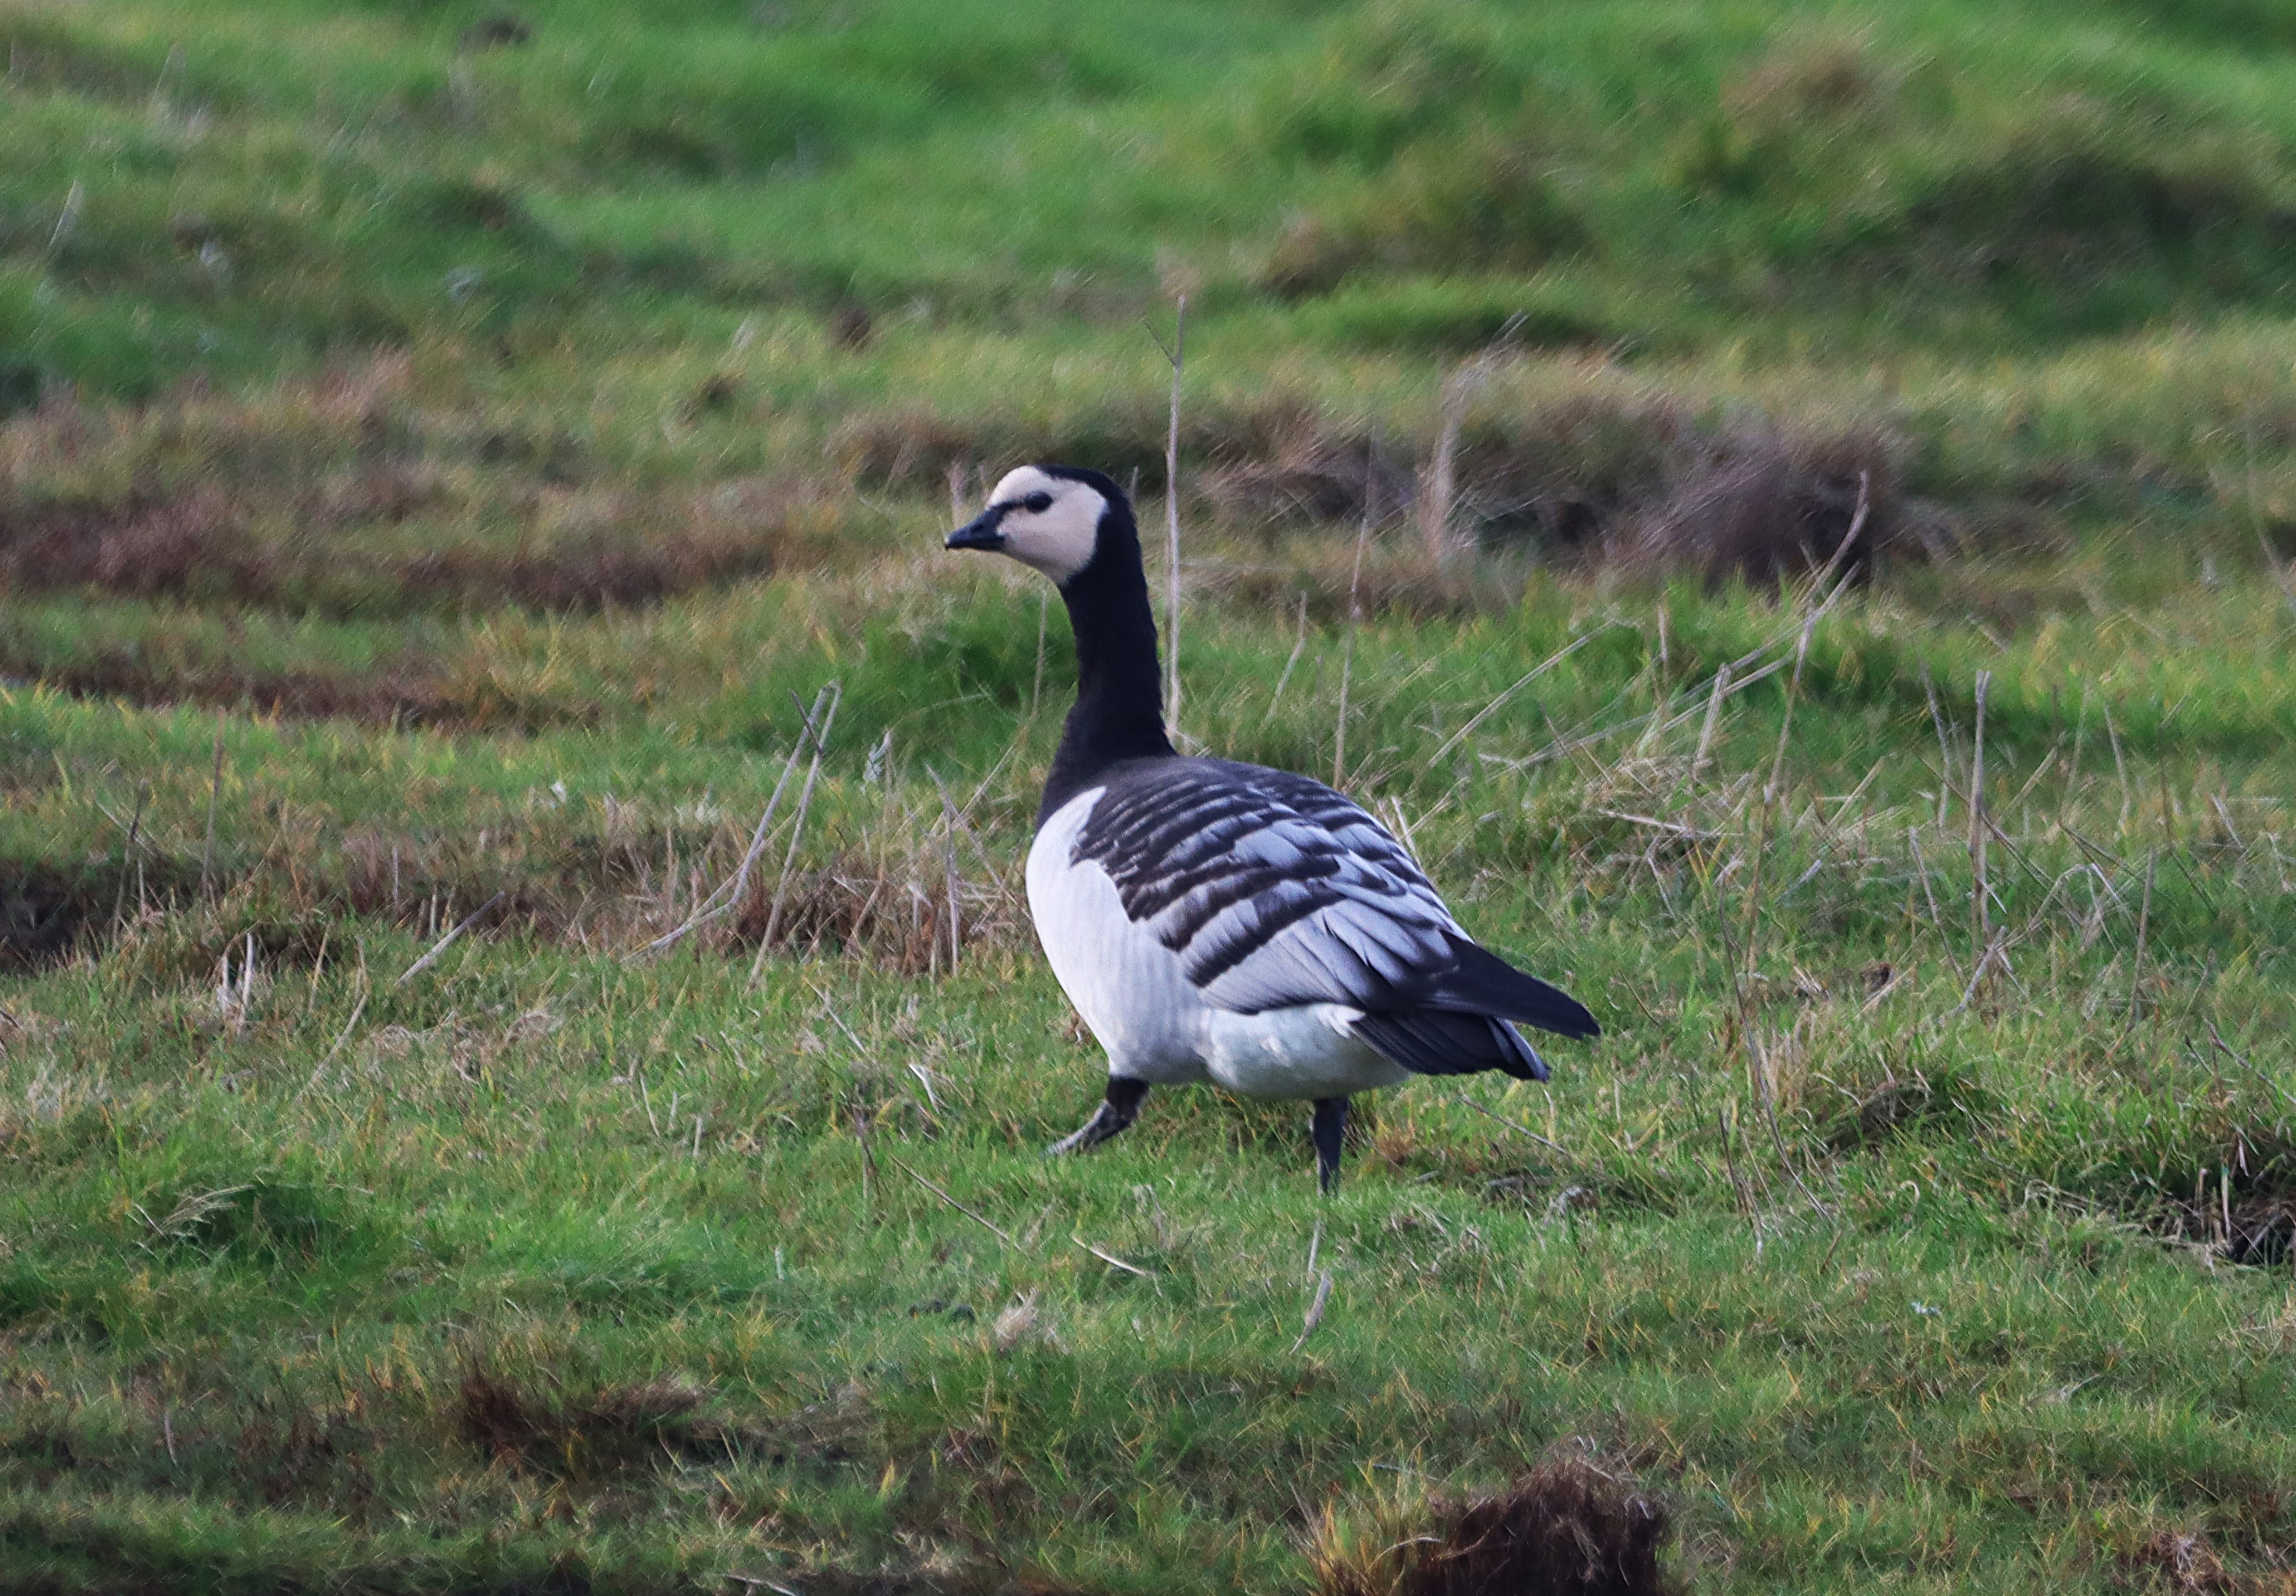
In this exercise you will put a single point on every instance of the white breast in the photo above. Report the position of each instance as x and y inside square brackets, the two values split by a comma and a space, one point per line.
[1128, 987]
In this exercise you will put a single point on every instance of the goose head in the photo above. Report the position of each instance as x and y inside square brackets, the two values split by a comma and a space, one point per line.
[1052, 517]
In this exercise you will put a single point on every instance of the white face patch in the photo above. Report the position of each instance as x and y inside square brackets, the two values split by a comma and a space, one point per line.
[1049, 523]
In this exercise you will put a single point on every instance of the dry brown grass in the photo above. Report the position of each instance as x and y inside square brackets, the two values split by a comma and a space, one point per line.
[349, 491]
[1591, 469]
[1566, 1529]
[407, 694]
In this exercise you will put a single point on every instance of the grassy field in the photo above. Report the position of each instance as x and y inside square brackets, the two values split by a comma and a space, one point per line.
[449, 454]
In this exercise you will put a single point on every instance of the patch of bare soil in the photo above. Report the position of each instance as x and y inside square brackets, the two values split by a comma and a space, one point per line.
[612, 1430]
[46, 915]
[1566, 1529]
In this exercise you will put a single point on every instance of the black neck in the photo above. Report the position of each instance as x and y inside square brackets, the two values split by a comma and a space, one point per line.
[1119, 707]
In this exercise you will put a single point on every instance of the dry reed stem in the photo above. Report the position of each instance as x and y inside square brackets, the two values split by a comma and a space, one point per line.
[727, 897]
[1179, 355]
[1316, 1308]
[1110, 1259]
[1347, 648]
[1299, 647]
[1981, 917]
[215, 795]
[1744, 971]
[439, 947]
[1001, 1234]
[949, 865]
[797, 836]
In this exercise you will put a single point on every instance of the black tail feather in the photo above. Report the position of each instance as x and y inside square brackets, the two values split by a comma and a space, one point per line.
[1483, 983]
[1438, 1041]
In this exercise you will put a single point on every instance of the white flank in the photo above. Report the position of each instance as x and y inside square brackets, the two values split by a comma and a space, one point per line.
[1155, 1025]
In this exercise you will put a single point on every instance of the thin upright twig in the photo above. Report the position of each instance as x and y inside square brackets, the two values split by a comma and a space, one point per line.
[128, 855]
[1980, 914]
[1172, 520]
[1347, 643]
[215, 794]
[948, 865]
[2144, 926]
[1945, 751]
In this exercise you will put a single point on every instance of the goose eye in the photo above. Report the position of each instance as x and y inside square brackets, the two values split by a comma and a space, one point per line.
[1036, 503]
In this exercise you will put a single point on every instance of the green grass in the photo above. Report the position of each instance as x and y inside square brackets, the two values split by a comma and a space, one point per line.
[453, 462]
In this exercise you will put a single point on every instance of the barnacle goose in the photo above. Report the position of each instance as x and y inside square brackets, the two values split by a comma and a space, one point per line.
[1220, 922]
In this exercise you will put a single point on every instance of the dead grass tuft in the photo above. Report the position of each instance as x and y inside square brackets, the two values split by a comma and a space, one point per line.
[1809, 76]
[1565, 1529]
[2185, 1562]
[892, 911]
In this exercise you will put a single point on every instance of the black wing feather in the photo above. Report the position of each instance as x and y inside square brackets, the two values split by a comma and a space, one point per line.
[1438, 1041]
[1483, 983]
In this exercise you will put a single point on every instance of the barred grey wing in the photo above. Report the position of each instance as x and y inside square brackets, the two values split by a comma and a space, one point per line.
[1272, 888]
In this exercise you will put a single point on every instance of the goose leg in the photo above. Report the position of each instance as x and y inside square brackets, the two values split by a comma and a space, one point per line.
[1116, 1111]
[1330, 1127]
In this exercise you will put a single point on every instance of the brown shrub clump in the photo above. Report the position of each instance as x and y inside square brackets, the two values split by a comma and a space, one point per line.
[1312, 474]
[148, 542]
[1764, 511]
[1566, 1529]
